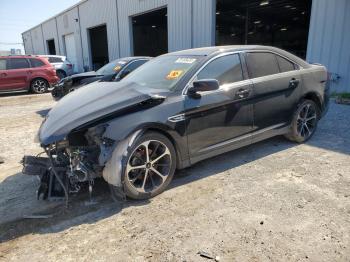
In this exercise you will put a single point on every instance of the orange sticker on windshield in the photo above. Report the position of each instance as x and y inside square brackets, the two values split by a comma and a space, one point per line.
[174, 74]
[117, 68]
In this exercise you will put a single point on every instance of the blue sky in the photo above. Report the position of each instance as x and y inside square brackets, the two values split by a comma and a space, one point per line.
[17, 16]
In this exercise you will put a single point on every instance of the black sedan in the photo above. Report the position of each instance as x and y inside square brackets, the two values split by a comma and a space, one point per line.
[113, 71]
[174, 111]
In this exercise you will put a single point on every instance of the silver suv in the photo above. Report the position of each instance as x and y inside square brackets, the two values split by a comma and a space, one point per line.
[63, 67]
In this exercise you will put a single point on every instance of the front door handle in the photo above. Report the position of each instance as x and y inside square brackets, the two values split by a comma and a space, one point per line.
[3, 74]
[29, 71]
[242, 93]
[293, 83]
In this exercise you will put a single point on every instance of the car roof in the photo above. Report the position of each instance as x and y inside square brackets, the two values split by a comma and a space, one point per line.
[212, 50]
[130, 58]
[60, 56]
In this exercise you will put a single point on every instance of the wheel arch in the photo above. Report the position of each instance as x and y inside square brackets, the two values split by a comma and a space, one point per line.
[315, 97]
[61, 70]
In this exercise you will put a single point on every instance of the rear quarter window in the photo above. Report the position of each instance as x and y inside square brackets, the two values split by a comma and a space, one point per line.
[3, 64]
[284, 64]
[36, 62]
[261, 64]
[55, 59]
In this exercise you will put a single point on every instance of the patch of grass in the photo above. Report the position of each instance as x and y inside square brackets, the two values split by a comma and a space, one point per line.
[344, 95]
[340, 95]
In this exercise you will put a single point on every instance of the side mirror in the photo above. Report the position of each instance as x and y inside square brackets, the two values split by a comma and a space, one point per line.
[203, 85]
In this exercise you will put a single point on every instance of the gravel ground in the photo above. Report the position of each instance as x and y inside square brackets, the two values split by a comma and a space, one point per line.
[274, 200]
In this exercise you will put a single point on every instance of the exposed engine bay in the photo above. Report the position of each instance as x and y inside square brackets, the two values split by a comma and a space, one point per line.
[70, 163]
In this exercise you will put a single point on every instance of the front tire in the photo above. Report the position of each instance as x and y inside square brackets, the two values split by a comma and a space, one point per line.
[149, 166]
[39, 86]
[304, 122]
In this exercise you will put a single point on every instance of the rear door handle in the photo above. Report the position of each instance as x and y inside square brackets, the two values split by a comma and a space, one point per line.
[29, 71]
[293, 83]
[3, 74]
[242, 93]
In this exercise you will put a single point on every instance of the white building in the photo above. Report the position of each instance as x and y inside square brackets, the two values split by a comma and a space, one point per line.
[93, 32]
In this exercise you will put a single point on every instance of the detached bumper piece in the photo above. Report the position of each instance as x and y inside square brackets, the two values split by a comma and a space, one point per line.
[49, 188]
[57, 93]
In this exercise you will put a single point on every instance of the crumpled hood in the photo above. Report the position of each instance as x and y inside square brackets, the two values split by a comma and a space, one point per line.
[88, 104]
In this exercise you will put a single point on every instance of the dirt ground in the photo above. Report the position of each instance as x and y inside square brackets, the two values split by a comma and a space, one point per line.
[272, 201]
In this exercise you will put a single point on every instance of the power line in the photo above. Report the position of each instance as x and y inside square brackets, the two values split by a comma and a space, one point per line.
[6, 43]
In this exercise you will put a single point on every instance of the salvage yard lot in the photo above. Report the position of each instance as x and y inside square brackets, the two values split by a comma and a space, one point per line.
[274, 200]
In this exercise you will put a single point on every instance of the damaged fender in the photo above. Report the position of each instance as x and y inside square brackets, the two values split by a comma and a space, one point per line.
[114, 167]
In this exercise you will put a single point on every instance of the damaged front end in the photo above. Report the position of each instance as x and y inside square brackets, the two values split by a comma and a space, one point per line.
[83, 133]
[76, 160]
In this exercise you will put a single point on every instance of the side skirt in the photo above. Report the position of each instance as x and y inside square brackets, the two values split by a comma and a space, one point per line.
[241, 141]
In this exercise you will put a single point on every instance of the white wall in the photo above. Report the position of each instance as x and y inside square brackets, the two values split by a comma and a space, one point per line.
[191, 23]
[37, 40]
[68, 23]
[50, 32]
[329, 39]
[27, 41]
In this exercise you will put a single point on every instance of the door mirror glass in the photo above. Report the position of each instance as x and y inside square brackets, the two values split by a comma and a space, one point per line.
[204, 85]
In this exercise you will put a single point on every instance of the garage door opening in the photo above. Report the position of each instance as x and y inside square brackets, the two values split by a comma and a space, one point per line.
[98, 46]
[280, 23]
[150, 33]
[51, 47]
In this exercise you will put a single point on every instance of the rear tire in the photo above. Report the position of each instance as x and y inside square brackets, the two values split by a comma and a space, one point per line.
[154, 157]
[39, 86]
[304, 122]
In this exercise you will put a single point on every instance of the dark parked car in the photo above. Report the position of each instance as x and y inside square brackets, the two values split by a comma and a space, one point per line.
[26, 73]
[174, 111]
[113, 71]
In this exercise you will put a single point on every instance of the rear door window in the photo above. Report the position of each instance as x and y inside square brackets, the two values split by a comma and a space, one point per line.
[261, 64]
[19, 63]
[3, 64]
[55, 59]
[284, 64]
[36, 62]
[226, 69]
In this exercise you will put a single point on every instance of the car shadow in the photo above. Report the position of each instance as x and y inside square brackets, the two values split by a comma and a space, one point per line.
[9, 94]
[81, 211]
[42, 217]
[231, 160]
[43, 112]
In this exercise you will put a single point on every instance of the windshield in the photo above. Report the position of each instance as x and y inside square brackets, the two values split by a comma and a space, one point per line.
[163, 72]
[112, 67]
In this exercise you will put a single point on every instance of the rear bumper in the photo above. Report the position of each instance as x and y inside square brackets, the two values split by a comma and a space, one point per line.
[326, 98]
